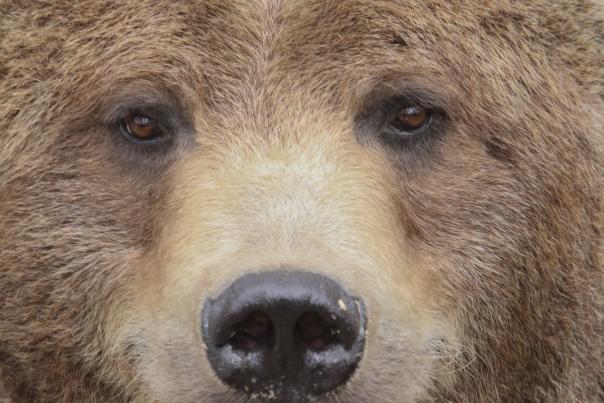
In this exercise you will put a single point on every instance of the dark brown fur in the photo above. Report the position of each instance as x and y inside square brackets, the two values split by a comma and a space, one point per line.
[507, 203]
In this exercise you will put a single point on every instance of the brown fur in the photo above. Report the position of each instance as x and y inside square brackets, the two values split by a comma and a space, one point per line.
[479, 254]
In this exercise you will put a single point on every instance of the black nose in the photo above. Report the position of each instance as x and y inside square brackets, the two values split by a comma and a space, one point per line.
[284, 336]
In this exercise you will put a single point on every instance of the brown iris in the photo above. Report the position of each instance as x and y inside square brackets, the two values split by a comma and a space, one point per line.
[140, 127]
[411, 118]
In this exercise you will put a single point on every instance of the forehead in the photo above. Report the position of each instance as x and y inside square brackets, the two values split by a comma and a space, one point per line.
[236, 44]
[218, 53]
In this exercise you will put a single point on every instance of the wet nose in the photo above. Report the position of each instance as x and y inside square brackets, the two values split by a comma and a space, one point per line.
[284, 335]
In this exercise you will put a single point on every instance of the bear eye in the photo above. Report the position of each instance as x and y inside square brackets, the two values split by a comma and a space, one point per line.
[139, 127]
[411, 119]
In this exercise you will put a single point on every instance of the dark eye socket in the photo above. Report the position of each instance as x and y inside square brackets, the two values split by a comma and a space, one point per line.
[410, 119]
[140, 127]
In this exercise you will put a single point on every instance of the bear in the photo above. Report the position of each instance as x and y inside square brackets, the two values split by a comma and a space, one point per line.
[301, 201]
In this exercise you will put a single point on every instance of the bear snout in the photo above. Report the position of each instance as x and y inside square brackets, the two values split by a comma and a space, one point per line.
[284, 335]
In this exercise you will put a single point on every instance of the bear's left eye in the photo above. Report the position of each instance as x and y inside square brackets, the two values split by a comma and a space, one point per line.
[410, 119]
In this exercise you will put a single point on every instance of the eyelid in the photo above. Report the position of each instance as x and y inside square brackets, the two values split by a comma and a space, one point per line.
[397, 102]
[116, 110]
[164, 117]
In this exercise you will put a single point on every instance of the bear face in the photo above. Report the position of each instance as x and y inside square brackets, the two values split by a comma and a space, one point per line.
[442, 162]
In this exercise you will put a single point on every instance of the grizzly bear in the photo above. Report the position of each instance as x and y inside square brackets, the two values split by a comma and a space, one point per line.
[326, 201]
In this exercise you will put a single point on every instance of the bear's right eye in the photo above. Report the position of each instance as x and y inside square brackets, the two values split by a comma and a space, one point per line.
[140, 128]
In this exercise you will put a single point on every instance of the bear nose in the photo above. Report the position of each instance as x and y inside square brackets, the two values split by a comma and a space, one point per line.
[284, 336]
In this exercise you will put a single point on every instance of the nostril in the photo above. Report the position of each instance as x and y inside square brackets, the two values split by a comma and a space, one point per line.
[315, 333]
[255, 332]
